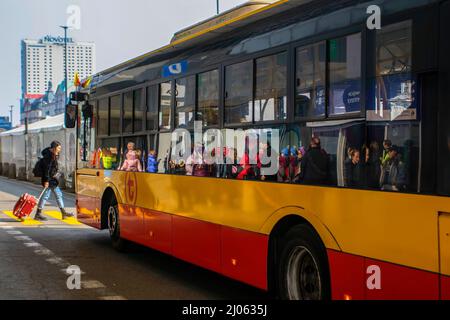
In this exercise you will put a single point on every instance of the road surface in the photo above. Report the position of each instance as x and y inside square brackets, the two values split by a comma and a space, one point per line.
[35, 258]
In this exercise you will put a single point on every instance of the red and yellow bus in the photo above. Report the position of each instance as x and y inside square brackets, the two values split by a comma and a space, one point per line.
[376, 227]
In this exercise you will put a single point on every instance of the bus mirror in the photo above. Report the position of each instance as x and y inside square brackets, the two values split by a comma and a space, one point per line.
[70, 118]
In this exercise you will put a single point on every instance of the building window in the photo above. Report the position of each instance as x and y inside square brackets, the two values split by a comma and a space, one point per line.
[208, 98]
[239, 93]
[271, 91]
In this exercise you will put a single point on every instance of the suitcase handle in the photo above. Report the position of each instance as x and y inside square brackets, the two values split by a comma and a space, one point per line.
[40, 196]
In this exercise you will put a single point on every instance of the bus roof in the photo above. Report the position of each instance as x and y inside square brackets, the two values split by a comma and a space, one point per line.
[225, 22]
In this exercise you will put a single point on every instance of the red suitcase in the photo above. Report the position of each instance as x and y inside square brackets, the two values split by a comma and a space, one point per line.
[25, 205]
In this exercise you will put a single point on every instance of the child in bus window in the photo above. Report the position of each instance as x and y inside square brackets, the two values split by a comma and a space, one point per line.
[152, 162]
[132, 162]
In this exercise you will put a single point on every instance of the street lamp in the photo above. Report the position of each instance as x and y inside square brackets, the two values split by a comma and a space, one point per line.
[65, 61]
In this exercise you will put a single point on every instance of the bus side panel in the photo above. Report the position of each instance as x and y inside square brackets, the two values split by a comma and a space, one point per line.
[87, 207]
[88, 198]
[445, 288]
[197, 242]
[347, 276]
[158, 230]
[357, 278]
[131, 223]
[402, 283]
[244, 256]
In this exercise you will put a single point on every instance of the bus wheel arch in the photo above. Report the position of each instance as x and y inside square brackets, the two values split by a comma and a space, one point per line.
[294, 239]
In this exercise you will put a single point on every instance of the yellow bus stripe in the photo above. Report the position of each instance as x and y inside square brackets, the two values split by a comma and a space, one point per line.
[57, 215]
[27, 222]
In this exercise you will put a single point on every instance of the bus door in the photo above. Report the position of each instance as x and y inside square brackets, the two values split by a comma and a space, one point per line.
[88, 173]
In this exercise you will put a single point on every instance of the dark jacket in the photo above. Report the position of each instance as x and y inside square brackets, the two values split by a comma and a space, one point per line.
[393, 174]
[49, 168]
[355, 175]
[315, 167]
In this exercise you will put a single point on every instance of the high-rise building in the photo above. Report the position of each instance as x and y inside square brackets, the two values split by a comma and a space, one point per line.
[43, 64]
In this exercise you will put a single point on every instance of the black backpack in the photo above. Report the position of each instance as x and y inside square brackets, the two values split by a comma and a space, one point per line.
[38, 171]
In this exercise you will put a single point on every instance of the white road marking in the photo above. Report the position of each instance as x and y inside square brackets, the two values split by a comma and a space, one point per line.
[104, 293]
[12, 232]
[92, 284]
[32, 244]
[112, 298]
[23, 238]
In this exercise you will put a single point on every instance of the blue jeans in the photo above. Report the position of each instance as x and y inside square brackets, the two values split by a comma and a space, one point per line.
[58, 195]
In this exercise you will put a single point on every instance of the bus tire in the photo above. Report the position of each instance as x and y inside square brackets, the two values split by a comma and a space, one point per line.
[114, 227]
[303, 266]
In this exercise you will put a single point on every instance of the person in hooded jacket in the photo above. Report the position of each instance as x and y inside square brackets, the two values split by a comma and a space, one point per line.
[50, 180]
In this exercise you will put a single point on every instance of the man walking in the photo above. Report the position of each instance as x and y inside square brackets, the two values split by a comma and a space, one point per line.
[50, 176]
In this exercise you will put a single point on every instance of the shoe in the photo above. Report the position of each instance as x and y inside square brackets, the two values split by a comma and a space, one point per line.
[65, 214]
[39, 216]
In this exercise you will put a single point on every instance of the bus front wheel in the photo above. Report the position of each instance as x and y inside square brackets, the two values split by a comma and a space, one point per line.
[114, 226]
[302, 270]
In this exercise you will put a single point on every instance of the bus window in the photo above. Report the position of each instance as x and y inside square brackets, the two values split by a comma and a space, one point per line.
[239, 93]
[139, 146]
[271, 82]
[115, 106]
[110, 153]
[394, 84]
[345, 75]
[394, 145]
[310, 78]
[164, 152]
[138, 111]
[152, 108]
[102, 119]
[185, 102]
[127, 113]
[395, 148]
[208, 98]
[165, 105]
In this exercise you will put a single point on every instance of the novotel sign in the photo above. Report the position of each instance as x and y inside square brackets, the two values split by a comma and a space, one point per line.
[57, 40]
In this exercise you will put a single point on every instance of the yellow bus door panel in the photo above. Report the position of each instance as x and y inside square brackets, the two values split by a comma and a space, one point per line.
[88, 198]
[444, 254]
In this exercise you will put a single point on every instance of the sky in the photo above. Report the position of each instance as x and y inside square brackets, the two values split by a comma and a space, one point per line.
[121, 30]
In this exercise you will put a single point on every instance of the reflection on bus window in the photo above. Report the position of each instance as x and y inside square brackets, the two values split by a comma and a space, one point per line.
[394, 84]
[271, 82]
[208, 98]
[127, 113]
[239, 93]
[165, 103]
[345, 75]
[311, 76]
[139, 110]
[185, 102]
[115, 106]
[152, 108]
[102, 122]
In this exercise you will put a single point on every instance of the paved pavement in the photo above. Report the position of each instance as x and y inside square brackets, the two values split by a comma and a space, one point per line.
[35, 258]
